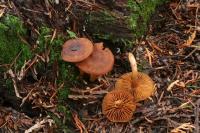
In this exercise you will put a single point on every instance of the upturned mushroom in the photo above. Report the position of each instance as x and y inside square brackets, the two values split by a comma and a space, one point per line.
[76, 50]
[100, 62]
[118, 106]
[139, 84]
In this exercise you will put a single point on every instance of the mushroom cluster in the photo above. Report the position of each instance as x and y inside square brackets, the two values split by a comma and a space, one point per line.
[94, 60]
[119, 104]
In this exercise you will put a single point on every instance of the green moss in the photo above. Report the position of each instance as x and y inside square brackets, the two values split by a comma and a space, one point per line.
[13, 50]
[62, 124]
[121, 26]
[9, 86]
[63, 94]
[67, 71]
[140, 14]
[11, 46]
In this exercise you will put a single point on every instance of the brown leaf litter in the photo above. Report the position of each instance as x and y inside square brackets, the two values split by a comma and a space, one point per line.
[169, 54]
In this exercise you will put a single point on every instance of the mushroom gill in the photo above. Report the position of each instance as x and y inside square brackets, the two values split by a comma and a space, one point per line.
[139, 84]
[118, 106]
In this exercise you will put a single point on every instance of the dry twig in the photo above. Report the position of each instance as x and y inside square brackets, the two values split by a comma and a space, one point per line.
[13, 76]
[79, 124]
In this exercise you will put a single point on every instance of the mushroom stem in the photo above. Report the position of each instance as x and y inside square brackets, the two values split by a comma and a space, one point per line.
[81, 72]
[93, 77]
[132, 62]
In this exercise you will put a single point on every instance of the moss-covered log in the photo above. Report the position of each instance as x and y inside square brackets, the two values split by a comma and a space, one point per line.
[117, 20]
[113, 20]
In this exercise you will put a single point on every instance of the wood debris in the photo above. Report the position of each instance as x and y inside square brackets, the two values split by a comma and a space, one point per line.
[189, 41]
[39, 125]
[183, 128]
[169, 88]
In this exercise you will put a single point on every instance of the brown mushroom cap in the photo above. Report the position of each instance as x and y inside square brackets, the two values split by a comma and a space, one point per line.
[141, 86]
[118, 106]
[100, 62]
[76, 50]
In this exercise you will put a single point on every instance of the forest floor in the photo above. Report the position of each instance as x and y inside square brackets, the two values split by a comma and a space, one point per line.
[169, 53]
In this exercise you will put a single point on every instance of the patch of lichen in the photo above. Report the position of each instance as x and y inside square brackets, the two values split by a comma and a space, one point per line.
[12, 48]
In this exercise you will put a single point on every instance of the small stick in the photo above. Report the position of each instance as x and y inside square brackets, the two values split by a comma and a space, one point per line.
[197, 111]
[25, 98]
[14, 83]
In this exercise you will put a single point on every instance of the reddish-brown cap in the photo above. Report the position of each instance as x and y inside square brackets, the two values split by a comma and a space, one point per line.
[141, 86]
[100, 62]
[124, 82]
[76, 50]
[118, 106]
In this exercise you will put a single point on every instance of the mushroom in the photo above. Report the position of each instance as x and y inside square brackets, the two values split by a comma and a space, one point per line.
[76, 50]
[100, 62]
[139, 84]
[118, 106]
